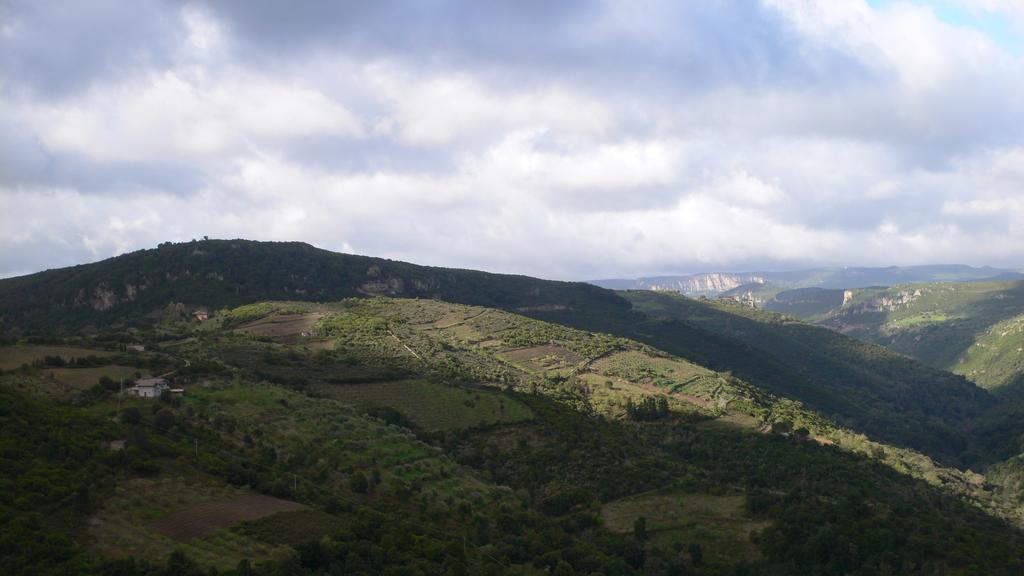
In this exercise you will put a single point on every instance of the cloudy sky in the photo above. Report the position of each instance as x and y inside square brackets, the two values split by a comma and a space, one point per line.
[560, 139]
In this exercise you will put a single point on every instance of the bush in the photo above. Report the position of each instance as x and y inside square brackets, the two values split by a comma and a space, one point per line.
[144, 467]
[358, 483]
[131, 416]
[164, 420]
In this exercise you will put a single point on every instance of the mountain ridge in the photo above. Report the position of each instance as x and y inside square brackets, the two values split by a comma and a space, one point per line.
[217, 273]
[716, 283]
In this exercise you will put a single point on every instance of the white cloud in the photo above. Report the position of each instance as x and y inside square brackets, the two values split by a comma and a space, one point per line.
[176, 115]
[852, 136]
[442, 109]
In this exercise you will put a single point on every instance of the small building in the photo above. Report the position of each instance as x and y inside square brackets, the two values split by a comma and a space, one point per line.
[149, 387]
[201, 315]
[137, 347]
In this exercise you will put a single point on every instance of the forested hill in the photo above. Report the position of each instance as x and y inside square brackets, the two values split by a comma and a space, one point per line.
[216, 273]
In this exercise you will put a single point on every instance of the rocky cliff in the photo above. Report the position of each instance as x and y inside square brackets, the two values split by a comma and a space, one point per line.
[711, 284]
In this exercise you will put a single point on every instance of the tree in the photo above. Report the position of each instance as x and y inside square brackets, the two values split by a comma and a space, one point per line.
[640, 529]
[178, 564]
[696, 554]
[358, 483]
[563, 569]
[131, 416]
[163, 420]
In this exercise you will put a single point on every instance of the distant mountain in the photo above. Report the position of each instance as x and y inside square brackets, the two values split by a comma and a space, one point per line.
[715, 284]
[695, 284]
[971, 328]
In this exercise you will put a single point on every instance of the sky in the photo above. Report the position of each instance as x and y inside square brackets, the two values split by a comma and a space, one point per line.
[567, 140]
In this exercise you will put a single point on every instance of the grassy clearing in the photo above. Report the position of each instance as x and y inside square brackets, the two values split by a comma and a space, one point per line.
[433, 406]
[609, 395]
[293, 528]
[920, 320]
[719, 524]
[733, 421]
[82, 378]
[668, 373]
[12, 357]
[123, 526]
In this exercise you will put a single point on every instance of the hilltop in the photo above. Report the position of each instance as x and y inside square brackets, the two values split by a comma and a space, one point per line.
[211, 274]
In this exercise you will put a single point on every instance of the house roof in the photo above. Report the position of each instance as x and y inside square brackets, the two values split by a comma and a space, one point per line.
[150, 382]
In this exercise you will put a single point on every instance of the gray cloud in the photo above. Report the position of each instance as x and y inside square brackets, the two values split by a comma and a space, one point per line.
[59, 47]
[563, 139]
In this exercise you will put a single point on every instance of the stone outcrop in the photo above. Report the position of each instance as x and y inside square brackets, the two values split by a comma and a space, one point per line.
[706, 284]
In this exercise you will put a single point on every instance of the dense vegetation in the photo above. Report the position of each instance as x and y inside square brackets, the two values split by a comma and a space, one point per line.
[215, 273]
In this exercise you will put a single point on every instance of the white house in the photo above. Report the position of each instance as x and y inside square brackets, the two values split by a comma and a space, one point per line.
[149, 387]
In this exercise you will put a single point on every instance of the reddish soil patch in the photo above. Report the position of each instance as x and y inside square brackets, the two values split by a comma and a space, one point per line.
[209, 517]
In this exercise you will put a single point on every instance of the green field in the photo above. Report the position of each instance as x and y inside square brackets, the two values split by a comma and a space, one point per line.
[431, 406]
[12, 357]
[82, 378]
[719, 524]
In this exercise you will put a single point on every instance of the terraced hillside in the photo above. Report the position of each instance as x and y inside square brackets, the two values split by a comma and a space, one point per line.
[382, 434]
[861, 386]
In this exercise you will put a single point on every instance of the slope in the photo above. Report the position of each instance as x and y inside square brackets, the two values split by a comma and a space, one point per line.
[546, 489]
[975, 328]
[211, 274]
[861, 386]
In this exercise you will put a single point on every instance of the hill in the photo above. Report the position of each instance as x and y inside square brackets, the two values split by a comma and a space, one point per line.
[211, 274]
[975, 329]
[381, 435]
[861, 387]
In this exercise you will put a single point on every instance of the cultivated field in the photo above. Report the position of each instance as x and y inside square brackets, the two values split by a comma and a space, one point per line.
[82, 378]
[209, 517]
[718, 523]
[282, 328]
[667, 373]
[433, 406]
[12, 357]
[546, 357]
[127, 523]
